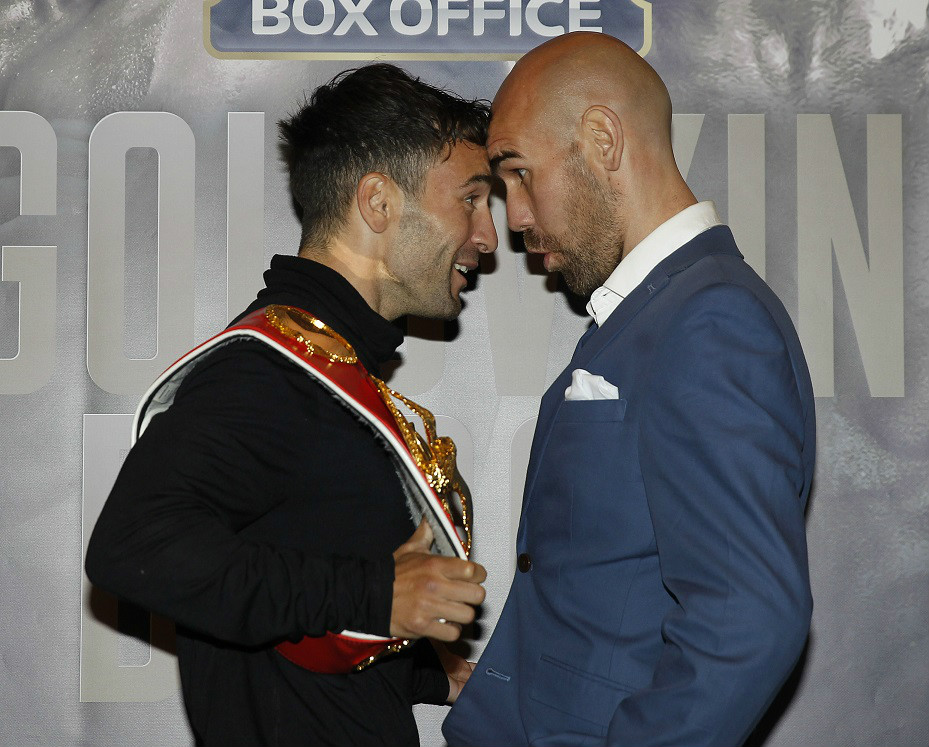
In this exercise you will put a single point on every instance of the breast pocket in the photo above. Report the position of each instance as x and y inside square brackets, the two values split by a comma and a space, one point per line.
[592, 442]
[591, 410]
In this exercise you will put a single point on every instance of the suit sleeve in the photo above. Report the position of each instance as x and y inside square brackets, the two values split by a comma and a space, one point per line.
[720, 449]
[168, 536]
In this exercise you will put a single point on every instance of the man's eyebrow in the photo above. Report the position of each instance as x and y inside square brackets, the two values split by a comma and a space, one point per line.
[503, 156]
[478, 179]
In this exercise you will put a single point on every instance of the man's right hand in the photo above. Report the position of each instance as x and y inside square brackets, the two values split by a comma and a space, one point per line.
[433, 595]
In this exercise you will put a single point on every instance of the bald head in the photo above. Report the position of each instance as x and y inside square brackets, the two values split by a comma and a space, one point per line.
[555, 83]
[583, 114]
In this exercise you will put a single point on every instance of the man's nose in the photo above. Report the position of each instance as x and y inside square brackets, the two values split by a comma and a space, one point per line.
[485, 234]
[518, 211]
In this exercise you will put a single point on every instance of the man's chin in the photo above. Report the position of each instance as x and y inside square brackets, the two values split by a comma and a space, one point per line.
[445, 312]
[453, 311]
[578, 284]
[583, 289]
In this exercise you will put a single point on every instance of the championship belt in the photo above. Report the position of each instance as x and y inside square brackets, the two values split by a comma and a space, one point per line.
[424, 461]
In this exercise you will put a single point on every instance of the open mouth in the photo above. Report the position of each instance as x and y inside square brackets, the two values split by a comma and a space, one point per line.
[467, 273]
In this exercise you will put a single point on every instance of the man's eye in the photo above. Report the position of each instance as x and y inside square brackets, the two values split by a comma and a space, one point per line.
[521, 173]
[470, 199]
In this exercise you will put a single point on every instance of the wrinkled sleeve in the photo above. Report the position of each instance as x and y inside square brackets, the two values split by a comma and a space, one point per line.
[721, 456]
[430, 683]
[167, 538]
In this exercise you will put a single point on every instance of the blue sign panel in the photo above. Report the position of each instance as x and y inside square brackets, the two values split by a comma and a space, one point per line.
[412, 29]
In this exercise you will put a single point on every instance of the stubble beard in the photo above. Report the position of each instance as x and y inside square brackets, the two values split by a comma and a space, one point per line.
[591, 244]
[422, 255]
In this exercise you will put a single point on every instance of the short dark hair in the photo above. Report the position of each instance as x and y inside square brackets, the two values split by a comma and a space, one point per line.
[373, 118]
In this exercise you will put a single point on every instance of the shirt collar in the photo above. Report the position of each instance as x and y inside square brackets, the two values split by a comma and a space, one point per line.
[647, 254]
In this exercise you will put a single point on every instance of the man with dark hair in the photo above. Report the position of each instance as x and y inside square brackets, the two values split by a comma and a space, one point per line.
[267, 503]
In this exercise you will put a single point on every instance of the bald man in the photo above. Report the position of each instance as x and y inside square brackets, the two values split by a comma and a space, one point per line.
[662, 592]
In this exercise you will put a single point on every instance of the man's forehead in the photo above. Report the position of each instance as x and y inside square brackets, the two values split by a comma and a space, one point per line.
[521, 133]
[500, 135]
[461, 162]
[511, 128]
[501, 119]
[517, 101]
[506, 140]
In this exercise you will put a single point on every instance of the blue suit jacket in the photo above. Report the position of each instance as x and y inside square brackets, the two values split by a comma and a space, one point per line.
[668, 596]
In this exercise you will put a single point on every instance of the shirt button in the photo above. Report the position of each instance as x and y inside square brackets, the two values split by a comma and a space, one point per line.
[524, 562]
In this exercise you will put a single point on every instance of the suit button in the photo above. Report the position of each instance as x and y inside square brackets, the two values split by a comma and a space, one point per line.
[524, 562]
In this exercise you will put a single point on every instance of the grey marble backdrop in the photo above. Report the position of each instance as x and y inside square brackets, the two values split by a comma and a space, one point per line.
[805, 121]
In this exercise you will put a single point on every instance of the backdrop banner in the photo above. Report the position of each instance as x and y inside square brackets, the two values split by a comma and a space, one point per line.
[142, 195]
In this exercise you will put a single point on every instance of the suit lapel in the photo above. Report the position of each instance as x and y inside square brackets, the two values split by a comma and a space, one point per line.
[716, 240]
[584, 338]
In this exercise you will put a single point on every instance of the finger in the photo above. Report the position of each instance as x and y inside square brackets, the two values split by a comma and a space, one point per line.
[426, 537]
[447, 631]
[440, 589]
[462, 591]
[465, 570]
[419, 541]
[421, 538]
[462, 670]
[452, 612]
[479, 573]
[443, 621]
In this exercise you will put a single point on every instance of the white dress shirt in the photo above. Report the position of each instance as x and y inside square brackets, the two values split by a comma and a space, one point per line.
[645, 256]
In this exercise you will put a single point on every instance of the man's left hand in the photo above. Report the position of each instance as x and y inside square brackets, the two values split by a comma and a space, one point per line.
[457, 669]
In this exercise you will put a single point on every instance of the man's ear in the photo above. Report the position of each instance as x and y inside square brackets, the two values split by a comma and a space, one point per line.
[602, 130]
[379, 200]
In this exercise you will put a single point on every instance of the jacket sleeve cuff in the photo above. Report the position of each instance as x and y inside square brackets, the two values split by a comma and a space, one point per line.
[430, 682]
[380, 579]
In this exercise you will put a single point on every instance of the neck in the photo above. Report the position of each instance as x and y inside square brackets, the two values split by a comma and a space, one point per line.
[653, 207]
[358, 267]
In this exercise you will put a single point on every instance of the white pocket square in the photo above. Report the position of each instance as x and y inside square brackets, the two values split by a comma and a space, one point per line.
[585, 385]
